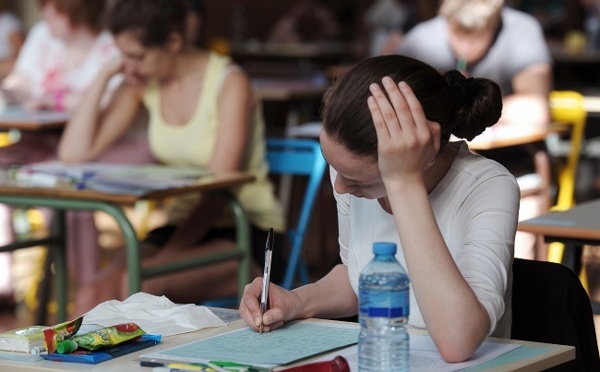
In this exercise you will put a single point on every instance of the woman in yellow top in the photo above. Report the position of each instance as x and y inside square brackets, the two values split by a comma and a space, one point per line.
[202, 113]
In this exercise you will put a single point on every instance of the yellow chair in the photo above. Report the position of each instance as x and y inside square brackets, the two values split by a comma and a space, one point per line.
[567, 108]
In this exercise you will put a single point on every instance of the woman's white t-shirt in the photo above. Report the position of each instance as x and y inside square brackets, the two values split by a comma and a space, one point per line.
[476, 207]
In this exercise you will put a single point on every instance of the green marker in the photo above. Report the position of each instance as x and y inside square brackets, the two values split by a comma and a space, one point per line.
[237, 367]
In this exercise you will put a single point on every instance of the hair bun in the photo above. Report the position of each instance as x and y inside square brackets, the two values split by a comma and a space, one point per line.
[459, 86]
[477, 104]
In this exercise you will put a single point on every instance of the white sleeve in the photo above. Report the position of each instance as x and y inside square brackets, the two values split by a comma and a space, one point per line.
[29, 54]
[490, 218]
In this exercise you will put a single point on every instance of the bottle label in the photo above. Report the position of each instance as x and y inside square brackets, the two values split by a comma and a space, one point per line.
[384, 304]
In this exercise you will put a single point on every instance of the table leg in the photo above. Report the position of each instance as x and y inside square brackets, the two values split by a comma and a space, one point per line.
[58, 228]
[134, 267]
[243, 245]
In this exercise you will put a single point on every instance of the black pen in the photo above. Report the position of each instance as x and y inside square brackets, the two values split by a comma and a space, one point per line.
[264, 297]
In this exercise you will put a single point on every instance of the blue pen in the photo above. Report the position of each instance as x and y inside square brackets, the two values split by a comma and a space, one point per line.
[82, 183]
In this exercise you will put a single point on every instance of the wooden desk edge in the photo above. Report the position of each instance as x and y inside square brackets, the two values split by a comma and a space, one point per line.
[31, 126]
[208, 184]
[558, 232]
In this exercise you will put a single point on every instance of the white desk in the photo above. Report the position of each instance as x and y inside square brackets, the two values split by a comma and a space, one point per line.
[533, 356]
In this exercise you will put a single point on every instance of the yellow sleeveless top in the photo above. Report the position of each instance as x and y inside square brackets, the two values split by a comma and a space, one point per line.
[192, 144]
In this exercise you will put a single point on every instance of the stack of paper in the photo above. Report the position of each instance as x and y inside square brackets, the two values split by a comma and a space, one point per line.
[22, 339]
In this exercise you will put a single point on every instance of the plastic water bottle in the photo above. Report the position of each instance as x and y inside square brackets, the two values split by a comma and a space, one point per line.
[383, 343]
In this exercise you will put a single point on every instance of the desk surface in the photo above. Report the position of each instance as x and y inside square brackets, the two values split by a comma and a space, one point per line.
[581, 222]
[292, 50]
[288, 89]
[506, 136]
[549, 355]
[204, 183]
[14, 117]
[592, 104]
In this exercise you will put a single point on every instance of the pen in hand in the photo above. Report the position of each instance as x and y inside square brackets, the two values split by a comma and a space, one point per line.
[264, 297]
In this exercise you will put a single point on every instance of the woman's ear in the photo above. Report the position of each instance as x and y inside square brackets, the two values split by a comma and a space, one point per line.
[436, 132]
[175, 42]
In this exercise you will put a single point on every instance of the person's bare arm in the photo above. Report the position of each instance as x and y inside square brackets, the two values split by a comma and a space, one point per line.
[406, 144]
[528, 105]
[91, 130]
[16, 40]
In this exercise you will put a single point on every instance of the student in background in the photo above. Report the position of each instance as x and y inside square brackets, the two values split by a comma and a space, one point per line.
[481, 38]
[195, 23]
[453, 214]
[61, 56]
[306, 21]
[11, 39]
[203, 114]
[386, 22]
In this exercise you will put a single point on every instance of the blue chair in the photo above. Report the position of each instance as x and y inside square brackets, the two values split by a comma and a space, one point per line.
[297, 157]
[292, 157]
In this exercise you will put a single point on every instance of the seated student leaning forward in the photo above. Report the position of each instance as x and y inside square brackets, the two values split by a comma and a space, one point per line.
[386, 126]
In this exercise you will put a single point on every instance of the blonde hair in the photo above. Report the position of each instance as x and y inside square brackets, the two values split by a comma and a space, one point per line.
[471, 14]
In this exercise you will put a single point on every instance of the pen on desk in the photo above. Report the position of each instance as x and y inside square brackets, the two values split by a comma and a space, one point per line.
[264, 296]
[176, 367]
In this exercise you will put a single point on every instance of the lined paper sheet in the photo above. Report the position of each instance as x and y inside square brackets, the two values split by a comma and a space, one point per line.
[425, 357]
[292, 342]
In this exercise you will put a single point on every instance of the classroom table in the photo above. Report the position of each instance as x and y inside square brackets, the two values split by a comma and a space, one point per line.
[576, 226]
[318, 53]
[15, 117]
[531, 140]
[499, 136]
[298, 92]
[62, 198]
[533, 356]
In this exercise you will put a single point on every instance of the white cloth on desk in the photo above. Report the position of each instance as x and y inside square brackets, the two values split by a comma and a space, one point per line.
[154, 314]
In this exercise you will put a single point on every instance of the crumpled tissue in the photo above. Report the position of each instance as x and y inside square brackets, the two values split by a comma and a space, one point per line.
[154, 314]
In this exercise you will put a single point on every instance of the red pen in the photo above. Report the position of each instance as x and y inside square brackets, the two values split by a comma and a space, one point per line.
[338, 364]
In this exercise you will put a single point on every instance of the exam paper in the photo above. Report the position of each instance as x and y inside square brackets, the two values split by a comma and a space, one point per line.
[292, 342]
[154, 314]
[425, 357]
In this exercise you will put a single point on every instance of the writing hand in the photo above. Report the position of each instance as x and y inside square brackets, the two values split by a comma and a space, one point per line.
[407, 141]
[283, 306]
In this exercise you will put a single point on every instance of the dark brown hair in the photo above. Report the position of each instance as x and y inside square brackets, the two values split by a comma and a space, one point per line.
[89, 13]
[463, 107]
[152, 20]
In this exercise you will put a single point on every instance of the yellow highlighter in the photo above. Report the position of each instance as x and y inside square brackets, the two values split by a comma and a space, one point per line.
[186, 367]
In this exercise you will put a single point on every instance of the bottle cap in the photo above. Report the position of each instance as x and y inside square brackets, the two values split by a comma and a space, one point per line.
[66, 346]
[37, 349]
[384, 248]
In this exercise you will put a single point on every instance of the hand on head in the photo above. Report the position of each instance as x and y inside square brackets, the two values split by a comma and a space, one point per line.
[113, 67]
[283, 305]
[407, 141]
